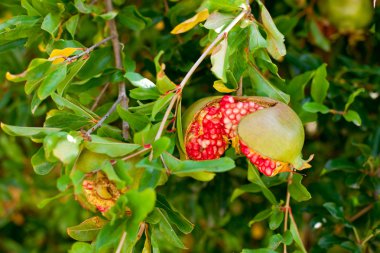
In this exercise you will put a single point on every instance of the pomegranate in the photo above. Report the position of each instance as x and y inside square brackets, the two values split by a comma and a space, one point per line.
[266, 131]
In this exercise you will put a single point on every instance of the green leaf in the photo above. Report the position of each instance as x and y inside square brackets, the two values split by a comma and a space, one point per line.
[252, 188]
[297, 191]
[65, 120]
[353, 116]
[110, 147]
[177, 166]
[275, 241]
[161, 104]
[71, 25]
[320, 85]
[217, 21]
[264, 88]
[44, 202]
[261, 216]
[130, 17]
[276, 218]
[352, 97]
[160, 146]
[73, 70]
[39, 163]
[275, 39]
[140, 209]
[315, 107]
[62, 146]
[51, 81]
[144, 94]
[219, 60]
[77, 109]
[18, 27]
[222, 5]
[87, 230]
[339, 164]
[296, 236]
[31, 132]
[51, 23]
[319, 38]
[37, 71]
[110, 235]
[82, 7]
[168, 232]
[96, 64]
[184, 225]
[81, 247]
[139, 81]
[108, 169]
[254, 177]
[262, 250]
[334, 210]
[109, 15]
[136, 121]
[256, 40]
[163, 83]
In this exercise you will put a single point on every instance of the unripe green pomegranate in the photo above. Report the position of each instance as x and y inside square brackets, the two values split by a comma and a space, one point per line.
[268, 132]
[347, 15]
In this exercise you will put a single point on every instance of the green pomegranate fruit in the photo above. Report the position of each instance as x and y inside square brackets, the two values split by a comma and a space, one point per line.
[266, 131]
[347, 15]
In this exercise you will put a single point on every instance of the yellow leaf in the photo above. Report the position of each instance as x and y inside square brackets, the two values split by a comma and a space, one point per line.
[59, 55]
[191, 22]
[16, 78]
[221, 87]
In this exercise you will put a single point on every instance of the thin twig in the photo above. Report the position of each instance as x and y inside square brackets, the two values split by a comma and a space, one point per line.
[100, 122]
[102, 92]
[135, 154]
[195, 66]
[361, 213]
[295, 225]
[118, 63]
[287, 207]
[88, 50]
[239, 91]
[121, 242]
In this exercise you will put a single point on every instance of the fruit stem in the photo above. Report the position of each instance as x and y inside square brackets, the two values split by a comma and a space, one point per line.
[287, 207]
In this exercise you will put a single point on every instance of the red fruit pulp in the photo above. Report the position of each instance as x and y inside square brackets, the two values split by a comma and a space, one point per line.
[209, 133]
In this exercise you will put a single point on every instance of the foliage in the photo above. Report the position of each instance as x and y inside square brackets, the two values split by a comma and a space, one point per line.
[107, 169]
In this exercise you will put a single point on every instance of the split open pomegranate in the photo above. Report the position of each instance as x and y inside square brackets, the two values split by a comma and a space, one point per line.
[266, 131]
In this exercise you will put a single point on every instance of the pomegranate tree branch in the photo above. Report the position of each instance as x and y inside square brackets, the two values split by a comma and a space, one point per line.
[196, 65]
[287, 207]
[361, 213]
[100, 122]
[118, 64]
[102, 92]
[88, 50]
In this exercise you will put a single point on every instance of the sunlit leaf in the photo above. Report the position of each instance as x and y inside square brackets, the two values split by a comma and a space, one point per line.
[219, 61]
[59, 55]
[87, 230]
[191, 22]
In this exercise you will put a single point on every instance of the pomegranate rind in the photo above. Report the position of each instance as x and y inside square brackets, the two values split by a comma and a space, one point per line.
[275, 132]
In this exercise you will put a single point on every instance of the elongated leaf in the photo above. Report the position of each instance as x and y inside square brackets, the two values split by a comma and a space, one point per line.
[110, 147]
[261, 216]
[353, 116]
[31, 132]
[51, 81]
[137, 121]
[177, 166]
[256, 40]
[254, 177]
[73, 70]
[40, 165]
[87, 230]
[168, 232]
[217, 21]
[77, 109]
[297, 190]
[51, 23]
[161, 104]
[276, 218]
[352, 97]
[296, 236]
[315, 107]
[191, 22]
[219, 60]
[71, 24]
[175, 217]
[264, 87]
[138, 80]
[319, 85]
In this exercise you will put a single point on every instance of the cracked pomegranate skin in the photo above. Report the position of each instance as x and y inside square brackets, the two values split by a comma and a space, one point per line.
[213, 123]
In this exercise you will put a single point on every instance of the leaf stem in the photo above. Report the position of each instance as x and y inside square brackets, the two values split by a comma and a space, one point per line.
[100, 122]
[121, 242]
[88, 50]
[118, 63]
[360, 213]
[287, 208]
[102, 92]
